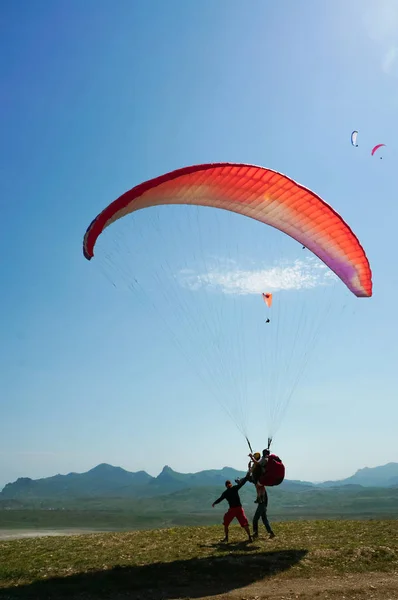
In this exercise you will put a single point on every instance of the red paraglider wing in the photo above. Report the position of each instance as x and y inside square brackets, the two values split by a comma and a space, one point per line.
[376, 148]
[259, 193]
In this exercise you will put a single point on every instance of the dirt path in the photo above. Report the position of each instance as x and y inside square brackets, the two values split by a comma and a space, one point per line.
[16, 534]
[368, 586]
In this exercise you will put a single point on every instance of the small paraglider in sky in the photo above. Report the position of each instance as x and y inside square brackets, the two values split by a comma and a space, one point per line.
[376, 148]
[268, 301]
[354, 136]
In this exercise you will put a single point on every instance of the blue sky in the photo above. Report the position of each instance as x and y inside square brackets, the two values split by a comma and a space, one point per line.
[96, 97]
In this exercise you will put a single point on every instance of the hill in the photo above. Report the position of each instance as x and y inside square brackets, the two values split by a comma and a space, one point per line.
[383, 476]
[105, 480]
[102, 480]
[192, 506]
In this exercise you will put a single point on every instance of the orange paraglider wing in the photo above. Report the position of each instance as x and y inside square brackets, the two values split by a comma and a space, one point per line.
[268, 299]
[259, 193]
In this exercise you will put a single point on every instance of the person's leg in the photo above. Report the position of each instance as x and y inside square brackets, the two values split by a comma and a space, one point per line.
[244, 523]
[227, 520]
[256, 519]
[247, 529]
[256, 473]
[265, 521]
[258, 488]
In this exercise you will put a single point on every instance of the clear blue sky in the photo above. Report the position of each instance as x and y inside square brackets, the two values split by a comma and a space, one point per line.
[98, 96]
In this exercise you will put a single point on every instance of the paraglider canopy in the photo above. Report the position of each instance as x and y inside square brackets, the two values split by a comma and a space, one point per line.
[267, 299]
[199, 268]
[259, 193]
[354, 136]
[376, 148]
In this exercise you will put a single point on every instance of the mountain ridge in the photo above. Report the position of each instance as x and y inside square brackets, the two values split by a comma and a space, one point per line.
[113, 481]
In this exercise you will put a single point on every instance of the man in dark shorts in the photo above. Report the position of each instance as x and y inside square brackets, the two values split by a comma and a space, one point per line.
[231, 495]
[261, 512]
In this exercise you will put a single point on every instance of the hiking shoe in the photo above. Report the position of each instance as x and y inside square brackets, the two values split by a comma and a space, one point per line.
[271, 535]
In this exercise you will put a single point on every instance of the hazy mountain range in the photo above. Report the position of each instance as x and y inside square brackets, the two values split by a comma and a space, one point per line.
[108, 481]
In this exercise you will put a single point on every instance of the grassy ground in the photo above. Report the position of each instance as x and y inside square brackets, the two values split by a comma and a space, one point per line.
[188, 509]
[192, 563]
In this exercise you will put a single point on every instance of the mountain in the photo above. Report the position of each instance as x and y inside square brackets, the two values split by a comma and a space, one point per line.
[383, 476]
[173, 481]
[107, 481]
[102, 480]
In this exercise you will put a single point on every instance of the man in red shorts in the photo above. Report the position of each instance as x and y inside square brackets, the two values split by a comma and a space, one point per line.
[231, 495]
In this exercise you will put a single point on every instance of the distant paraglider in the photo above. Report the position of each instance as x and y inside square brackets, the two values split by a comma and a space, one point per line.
[354, 139]
[376, 148]
[268, 301]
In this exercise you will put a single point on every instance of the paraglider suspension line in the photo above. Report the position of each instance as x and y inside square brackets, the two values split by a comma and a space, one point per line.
[248, 443]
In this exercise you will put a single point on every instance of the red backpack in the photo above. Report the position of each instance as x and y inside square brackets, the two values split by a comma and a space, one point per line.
[274, 471]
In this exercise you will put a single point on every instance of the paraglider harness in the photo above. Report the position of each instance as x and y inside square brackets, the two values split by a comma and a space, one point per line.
[273, 473]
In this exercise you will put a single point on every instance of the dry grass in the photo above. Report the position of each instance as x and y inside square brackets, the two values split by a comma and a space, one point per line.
[190, 562]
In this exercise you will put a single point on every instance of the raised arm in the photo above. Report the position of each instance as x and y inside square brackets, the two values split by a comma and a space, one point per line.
[222, 497]
[254, 460]
[241, 482]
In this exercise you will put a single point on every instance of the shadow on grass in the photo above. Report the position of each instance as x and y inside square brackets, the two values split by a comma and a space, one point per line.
[191, 578]
[230, 546]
